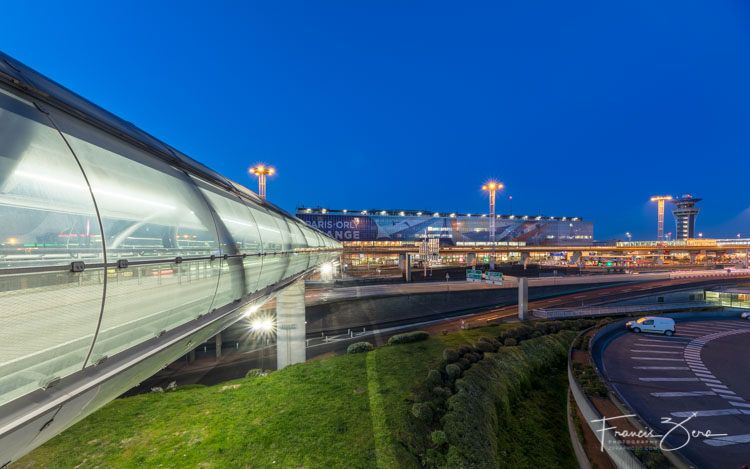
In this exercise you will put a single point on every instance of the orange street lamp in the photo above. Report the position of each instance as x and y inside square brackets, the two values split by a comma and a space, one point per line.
[491, 187]
[262, 171]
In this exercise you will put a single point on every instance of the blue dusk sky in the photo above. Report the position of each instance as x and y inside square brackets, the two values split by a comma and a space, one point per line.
[580, 108]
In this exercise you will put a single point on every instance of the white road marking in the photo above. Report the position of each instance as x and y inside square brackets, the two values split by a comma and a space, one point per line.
[655, 351]
[711, 413]
[724, 391]
[660, 346]
[734, 398]
[660, 368]
[713, 386]
[740, 404]
[668, 379]
[665, 339]
[705, 375]
[710, 380]
[658, 358]
[727, 440]
[683, 394]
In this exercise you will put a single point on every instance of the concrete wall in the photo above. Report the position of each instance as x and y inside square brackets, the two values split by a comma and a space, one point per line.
[353, 313]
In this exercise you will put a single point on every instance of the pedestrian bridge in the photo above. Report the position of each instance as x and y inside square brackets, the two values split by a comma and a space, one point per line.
[118, 254]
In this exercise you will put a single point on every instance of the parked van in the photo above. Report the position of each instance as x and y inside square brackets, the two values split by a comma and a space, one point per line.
[652, 324]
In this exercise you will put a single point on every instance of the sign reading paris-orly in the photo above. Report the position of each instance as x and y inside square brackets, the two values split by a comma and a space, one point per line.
[451, 231]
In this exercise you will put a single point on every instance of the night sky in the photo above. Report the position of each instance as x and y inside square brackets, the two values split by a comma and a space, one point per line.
[580, 108]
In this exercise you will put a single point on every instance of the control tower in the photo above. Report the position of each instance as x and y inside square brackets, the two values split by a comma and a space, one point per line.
[684, 216]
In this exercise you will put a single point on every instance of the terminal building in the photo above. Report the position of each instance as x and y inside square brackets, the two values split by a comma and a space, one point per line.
[684, 216]
[410, 227]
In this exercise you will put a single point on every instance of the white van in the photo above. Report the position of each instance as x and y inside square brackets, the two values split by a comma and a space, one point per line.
[652, 324]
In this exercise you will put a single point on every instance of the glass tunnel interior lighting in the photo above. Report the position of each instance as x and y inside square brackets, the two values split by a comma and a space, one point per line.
[326, 269]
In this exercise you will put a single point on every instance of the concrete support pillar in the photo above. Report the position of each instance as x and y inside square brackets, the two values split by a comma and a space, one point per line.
[407, 271]
[705, 257]
[523, 298]
[471, 259]
[290, 325]
[401, 262]
[218, 345]
[576, 258]
[693, 255]
[524, 259]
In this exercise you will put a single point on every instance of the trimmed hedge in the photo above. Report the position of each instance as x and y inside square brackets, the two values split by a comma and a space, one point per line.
[360, 347]
[408, 337]
[486, 392]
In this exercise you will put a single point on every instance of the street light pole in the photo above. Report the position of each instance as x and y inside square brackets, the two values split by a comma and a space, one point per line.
[261, 171]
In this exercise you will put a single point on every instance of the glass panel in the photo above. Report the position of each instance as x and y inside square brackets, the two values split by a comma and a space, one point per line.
[48, 319]
[274, 267]
[297, 263]
[144, 300]
[297, 238]
[270, 233]
[252, 266]
[149, 209]
[312, 241]
[286, 241]
[48, 324]
[239, 235]
[234, 220]
[48, 215]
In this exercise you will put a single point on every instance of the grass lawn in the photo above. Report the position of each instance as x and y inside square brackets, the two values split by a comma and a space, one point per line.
[347, 411]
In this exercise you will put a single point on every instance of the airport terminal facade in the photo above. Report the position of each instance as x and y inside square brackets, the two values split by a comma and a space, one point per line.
[405, 227]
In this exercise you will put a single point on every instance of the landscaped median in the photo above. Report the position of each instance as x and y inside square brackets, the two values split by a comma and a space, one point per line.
[400, 405]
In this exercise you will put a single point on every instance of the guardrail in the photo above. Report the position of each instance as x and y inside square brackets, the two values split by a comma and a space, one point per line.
[564, 313]
[610, 443]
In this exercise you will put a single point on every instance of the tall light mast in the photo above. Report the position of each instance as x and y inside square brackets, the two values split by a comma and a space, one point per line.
[261, 171]
[491, 188]
[660, 200]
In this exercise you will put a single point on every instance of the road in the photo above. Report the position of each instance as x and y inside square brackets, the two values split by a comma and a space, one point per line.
[320, 294]
[700, 375]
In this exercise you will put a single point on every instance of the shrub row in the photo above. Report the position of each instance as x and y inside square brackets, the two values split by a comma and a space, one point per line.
[408, 337]
[588, 379]
[485, 393]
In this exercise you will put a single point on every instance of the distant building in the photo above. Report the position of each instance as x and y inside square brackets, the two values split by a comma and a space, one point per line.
[397, 227]
[684, 216]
